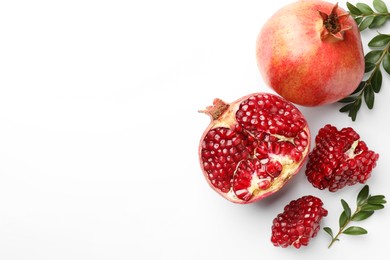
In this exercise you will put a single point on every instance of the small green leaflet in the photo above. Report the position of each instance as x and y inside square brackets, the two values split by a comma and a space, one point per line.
[378, 199]
[353, 230]
[386, 63]
[380, 6]
[362, 215]
[363, 195]
[329, 231]
[347, 209]
[369, 207]
[379, 40]
[369, 97]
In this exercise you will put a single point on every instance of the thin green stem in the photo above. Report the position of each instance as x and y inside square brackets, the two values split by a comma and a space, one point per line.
[337, 235]
[334, 239]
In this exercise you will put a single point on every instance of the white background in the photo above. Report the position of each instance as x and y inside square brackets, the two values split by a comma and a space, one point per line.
[99, 134]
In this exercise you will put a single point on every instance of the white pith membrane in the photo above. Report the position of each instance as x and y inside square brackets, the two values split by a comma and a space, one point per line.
[351, 151]
[255, 189]
[260, 187]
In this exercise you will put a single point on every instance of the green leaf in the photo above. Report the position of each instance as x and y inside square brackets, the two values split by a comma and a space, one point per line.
[329, 231]
[373, 56]
[348, 99]
[360, 87]
[368, 67]
[358, 20]
[378, 199]
[380, 6]
[364, 8]
[362, 195]
[386, 63]
[353, 113]
[378, 21]
[353, 9]
[347, 209]
[366, 22]
[354, 230]
[379, 40]
[369, 97]
[343, 220]
[346, 108]
[370, 207]
[356, 106]
[362, 215]
[376, 81]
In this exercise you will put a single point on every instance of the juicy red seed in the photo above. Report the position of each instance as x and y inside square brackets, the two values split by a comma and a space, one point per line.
[274, 168]
[265, 109]
[330, 165]
[264, 184]
[299, 222]
[248, 170]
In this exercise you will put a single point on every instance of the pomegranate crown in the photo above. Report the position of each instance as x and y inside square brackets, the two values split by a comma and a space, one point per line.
[334, 24]
[216, 110]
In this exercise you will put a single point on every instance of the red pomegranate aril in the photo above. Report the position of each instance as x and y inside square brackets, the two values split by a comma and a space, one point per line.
[251, 148]
[339, 159]
[299, 222]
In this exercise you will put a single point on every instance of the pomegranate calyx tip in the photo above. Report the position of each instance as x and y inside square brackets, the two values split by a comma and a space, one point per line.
[333, 24]
[216, 110]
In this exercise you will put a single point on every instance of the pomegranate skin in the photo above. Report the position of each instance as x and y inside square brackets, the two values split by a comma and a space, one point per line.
[301, 65]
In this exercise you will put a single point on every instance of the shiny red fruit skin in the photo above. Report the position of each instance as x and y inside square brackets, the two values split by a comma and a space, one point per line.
[302, 67]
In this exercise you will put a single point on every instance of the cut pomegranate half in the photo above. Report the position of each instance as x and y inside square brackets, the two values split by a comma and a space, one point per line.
[253, 146]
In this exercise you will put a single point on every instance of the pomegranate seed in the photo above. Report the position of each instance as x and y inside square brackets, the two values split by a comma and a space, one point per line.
[339, 159]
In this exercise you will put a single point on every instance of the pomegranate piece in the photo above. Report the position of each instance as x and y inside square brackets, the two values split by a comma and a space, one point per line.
[310, 52]
[338, 159]
[299, 222]
[253, 146]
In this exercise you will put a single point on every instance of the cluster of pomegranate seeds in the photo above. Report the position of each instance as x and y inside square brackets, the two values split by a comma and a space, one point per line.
[222, 149]
[338, 159]
[271, 114]
[299, 222]
[249, 143]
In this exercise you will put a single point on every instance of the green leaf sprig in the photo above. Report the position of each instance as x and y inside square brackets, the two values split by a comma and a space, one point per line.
[372, 85]
[366, 205]
[366, 17]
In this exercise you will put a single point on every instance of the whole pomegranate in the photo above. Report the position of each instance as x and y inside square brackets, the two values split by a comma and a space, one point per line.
[310, 52]
[253, 146]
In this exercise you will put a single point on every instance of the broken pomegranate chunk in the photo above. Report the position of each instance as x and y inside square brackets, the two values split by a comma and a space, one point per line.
[299, 222]
[339, 159]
